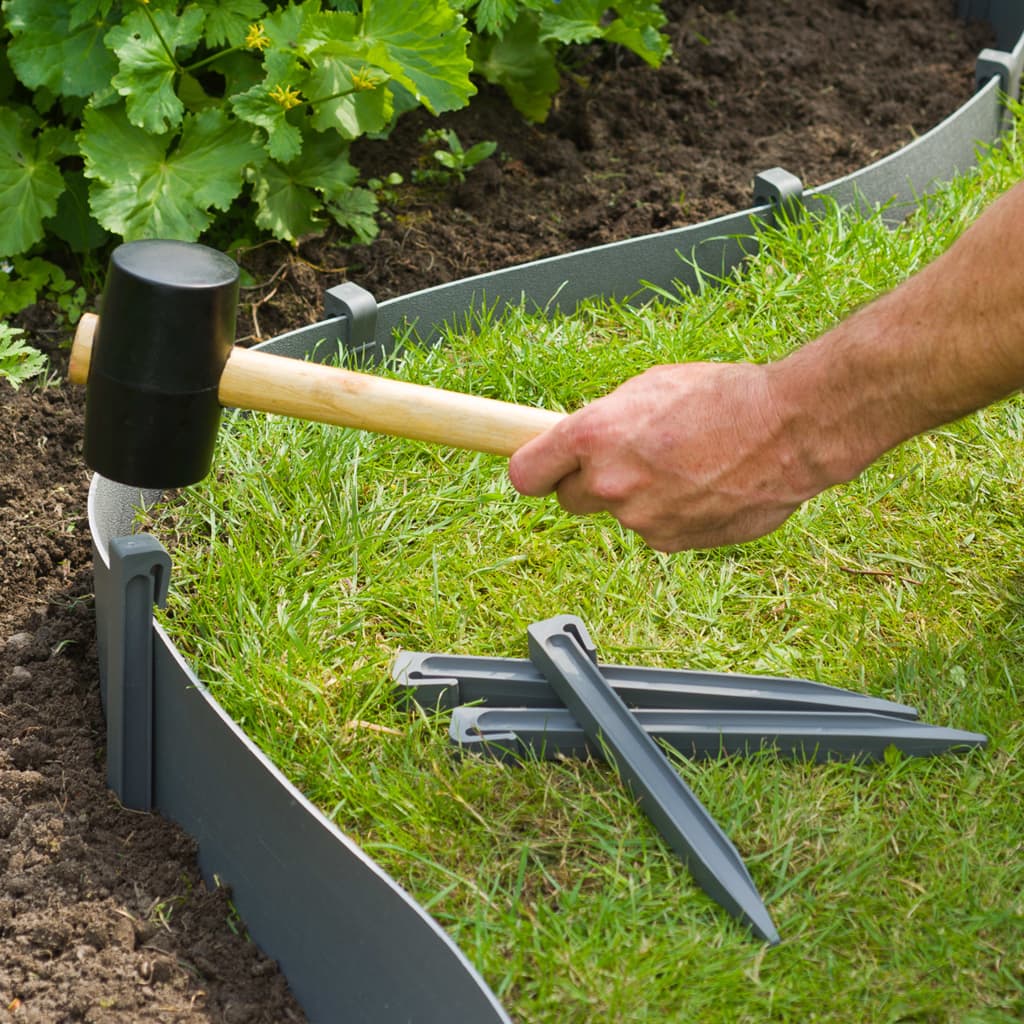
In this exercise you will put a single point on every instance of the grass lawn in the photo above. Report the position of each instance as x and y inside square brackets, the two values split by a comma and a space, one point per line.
[314, 554]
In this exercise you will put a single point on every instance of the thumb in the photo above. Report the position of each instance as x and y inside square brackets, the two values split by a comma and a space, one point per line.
[538, 466]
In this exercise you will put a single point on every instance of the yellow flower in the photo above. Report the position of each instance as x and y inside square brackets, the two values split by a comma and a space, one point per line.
[256, 38]
[365, 79]
[286, 96]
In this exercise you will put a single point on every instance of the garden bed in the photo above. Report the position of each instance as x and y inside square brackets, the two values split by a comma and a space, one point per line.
[609, 165]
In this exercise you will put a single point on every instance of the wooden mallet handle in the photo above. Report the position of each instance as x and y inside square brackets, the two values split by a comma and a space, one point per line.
[264, 382]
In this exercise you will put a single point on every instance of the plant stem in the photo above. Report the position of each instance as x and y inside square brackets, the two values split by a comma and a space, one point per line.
[333, 96]
[189, 68]
[160, 36]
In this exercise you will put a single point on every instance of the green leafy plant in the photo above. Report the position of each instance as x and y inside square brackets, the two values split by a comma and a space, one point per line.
[18, 362]
[209, 99]
[27, 279]
[518, 43]
[455, 161]
[385, 187]
[144, 118]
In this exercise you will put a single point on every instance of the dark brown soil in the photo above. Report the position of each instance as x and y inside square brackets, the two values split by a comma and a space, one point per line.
[103, 914]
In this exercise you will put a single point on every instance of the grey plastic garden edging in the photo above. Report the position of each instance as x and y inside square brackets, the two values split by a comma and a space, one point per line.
[352, 944]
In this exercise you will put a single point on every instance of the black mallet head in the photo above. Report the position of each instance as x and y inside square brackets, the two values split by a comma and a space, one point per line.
[166, 329]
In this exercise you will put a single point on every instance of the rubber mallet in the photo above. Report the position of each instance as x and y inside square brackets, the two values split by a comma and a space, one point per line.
[159, 363]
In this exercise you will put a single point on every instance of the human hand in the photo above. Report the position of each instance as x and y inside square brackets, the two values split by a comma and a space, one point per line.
[691, 455]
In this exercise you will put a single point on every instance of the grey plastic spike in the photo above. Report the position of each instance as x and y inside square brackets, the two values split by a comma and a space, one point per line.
[558, 647]
[553, 732]
[448, 680]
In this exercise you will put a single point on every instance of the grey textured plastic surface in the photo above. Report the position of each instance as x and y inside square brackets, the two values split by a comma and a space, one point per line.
[676, 261]
[1005, 66]
[448, 680]
[353, 945]
[137, 579]
[359, 309]
[558, 649]
[779, 190]
[550, 733]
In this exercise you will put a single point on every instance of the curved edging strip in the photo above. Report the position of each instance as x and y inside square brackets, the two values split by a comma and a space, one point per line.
[351, 942]
[637, 269]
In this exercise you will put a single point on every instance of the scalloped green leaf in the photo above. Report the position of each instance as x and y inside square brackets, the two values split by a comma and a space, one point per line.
[644, 40]
[73, 221]
[256, 106]
[331, 28]
[350, 98]
[85, 10]
[165, 190]
[325, 166]
[228, 21]
[573, 21]
[495, 15]
[287, 196]
[30, 182]
[422, 44]
[637, 28]
[522, 65]
[285, 207]
[19, 362]
[148, 64]
[633, 24]
[52, 49]
[284, 27]
[356, 209]
[265, 105]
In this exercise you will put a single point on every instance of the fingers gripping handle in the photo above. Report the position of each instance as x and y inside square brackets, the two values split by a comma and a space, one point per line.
[267, 383]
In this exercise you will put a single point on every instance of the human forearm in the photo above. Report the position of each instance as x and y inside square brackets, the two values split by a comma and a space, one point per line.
[946, 342]
[701, 454]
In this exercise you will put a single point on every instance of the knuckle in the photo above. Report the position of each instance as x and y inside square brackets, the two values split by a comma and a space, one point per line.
[611, 489]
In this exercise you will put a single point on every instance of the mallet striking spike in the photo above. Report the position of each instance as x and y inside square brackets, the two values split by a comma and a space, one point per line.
[160, 362]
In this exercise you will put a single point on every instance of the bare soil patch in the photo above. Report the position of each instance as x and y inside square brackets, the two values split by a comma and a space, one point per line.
[103, 914]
